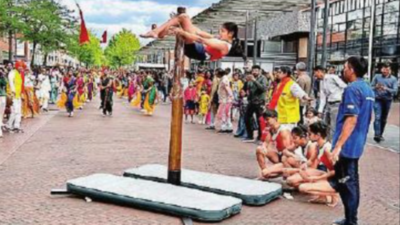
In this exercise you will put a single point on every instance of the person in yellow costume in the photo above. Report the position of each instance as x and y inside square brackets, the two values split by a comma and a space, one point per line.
[203, 105]
[151, 97]
[31, 105]
[16, 84]
[286, 99]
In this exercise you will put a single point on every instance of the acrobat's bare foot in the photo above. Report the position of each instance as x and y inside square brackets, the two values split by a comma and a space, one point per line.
[150, 34]
[334, 201]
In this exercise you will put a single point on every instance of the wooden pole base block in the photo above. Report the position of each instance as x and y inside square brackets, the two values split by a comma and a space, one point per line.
[252, 192]
[155, 196]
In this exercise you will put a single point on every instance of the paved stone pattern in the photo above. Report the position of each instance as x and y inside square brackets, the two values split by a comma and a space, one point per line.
[66, 148]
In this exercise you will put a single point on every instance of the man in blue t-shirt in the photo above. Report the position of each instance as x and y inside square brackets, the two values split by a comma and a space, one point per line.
[385, 87]
[354, 118]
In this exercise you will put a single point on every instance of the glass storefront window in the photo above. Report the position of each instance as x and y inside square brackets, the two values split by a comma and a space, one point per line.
[390, 29]
[378, 31]
[367, 22]
[342, 27]
[379, 9]
[341, 18]
[378, 20]
[391, 17]
[367, 11]
[392, 6]
[354, 34]
[272, 46]
[358, 14]
[335, 28]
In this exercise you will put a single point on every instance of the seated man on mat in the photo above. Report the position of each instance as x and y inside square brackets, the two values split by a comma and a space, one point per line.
[278, 139]
[200, 45]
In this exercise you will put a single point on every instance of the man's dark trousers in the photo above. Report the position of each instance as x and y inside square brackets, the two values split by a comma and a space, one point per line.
[381, 108]
[251, 109]
[348, 186]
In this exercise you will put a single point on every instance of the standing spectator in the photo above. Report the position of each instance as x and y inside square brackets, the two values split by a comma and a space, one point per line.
[3, 98]
[214, 103]
[225, 96]
[385, 88]
[355, 113]
[330, 97]
[256, 89]
[16, 83]
[286, 99]
[55, 83]
[44, 90]
[165, 84]
[304, 82]
[189, 97]
[237, 86]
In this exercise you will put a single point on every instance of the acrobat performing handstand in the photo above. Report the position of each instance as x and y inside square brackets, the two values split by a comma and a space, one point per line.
[200, 45]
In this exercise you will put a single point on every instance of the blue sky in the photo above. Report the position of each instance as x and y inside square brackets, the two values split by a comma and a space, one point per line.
[135, 15]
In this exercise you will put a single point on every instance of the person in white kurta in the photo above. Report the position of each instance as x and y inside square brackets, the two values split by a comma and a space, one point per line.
[44, 90]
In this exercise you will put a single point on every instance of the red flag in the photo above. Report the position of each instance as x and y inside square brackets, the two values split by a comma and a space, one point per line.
[84, 35]
[104, 36]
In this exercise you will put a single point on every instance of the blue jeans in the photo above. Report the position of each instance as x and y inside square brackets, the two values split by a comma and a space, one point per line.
[381, 108]
[241, 130]
[346, 182]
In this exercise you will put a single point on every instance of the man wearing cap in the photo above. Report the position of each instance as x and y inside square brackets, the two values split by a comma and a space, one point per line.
[385, 88]
[16, 83]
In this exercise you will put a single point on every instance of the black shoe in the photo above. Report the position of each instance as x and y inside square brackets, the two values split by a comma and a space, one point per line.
[382, 138]
[229, 131]
[237, 136]
[210, 128]
[377, 139]
[339, 222]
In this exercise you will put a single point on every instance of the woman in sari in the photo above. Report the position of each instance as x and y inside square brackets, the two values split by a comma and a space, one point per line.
[71, 90]
[151, 96]
[30, 105]
[80, 97]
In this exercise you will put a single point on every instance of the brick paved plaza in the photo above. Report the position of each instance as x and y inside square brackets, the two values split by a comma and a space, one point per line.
[55, 148]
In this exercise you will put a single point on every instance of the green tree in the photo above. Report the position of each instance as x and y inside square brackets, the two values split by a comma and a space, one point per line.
[122, 48]
[9, 19]
[45, 24]
[89, 53]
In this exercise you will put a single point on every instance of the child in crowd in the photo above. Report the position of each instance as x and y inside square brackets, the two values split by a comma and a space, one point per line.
[241, 104]
[311, 117]
[204, 101]
[189, 97]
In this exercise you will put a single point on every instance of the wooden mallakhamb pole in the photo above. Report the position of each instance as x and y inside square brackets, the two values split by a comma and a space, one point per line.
[175, 146]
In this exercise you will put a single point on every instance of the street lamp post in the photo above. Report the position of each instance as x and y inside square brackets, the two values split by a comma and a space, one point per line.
[255, 41]
[371, 40]
[325, 32]
[311, 38]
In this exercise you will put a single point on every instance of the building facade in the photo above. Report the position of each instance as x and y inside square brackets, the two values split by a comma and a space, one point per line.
[349, 29]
